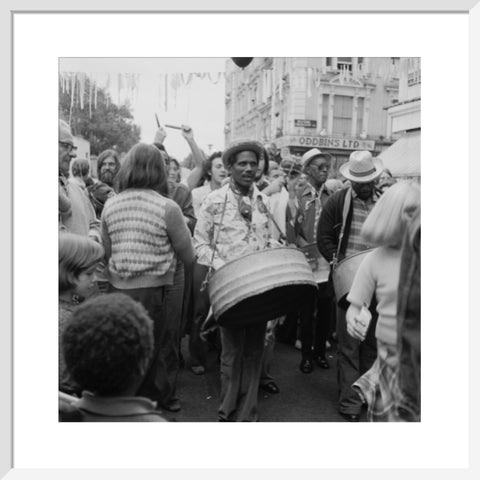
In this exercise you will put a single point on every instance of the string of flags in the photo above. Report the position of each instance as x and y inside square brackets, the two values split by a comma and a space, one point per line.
[124, 87]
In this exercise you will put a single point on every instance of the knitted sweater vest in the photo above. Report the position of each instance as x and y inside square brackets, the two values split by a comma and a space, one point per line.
[142, 254]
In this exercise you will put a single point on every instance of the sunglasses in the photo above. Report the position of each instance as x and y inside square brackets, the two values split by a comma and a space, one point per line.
[322, 166]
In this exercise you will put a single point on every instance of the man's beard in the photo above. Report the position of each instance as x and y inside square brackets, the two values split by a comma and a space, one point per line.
[108, 178]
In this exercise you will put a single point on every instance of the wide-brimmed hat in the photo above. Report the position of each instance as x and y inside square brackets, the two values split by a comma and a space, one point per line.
[361, 167]
[64, 133]
[310, 155]
[241, 145]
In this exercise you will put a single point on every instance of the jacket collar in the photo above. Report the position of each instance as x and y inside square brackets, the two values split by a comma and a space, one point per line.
[115, 406]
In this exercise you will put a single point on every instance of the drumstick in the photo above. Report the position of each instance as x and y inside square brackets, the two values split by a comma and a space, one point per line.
[177, 127]
[158, 123]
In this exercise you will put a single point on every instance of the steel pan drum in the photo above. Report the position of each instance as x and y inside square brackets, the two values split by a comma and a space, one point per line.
[260, 286]
[344, 273]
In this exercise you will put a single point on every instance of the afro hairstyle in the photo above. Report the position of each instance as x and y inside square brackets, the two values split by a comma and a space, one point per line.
[108, 344]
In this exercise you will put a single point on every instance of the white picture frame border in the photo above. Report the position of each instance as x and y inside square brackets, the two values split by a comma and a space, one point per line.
[14, 8]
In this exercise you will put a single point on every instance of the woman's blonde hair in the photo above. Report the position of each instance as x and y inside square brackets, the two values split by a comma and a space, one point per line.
[387, 221]
[76, 254]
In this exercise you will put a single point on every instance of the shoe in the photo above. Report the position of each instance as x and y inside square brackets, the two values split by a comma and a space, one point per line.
[306, 366]
[298, 344]
[351, 417]
[198, 369]
[322, 363]
[270, 387]
[172, 406]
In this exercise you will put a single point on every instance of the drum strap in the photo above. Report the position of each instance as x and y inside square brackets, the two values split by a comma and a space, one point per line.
[264, 208]
[346, 208]
[214, 247]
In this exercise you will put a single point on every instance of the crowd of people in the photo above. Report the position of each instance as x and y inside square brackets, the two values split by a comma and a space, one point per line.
[139, 243]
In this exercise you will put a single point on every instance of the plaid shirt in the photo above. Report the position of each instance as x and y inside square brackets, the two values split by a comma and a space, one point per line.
[361, 209]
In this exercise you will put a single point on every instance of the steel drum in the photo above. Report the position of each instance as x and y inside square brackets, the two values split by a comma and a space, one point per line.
[260, 286]
[344, 273]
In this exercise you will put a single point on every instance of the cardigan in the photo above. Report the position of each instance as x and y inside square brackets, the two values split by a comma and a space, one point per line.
[330, 224]
[378, 275]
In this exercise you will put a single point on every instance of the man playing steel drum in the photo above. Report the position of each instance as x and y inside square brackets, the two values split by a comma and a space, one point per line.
[232, 222]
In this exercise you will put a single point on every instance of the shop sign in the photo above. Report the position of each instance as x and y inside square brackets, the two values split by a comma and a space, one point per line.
[330, 142]
[305, 123]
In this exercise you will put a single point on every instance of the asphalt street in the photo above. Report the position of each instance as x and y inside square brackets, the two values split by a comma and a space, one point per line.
[302, 398]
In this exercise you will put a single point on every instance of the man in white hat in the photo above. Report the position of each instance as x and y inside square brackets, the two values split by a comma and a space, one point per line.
[232, 223]
[339, 237]
[303, 215]
[76, 213]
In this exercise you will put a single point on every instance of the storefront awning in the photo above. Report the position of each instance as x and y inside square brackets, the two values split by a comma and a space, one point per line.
[403, 157]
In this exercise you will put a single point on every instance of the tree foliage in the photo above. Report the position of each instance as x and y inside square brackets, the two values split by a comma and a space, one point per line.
[104, 125]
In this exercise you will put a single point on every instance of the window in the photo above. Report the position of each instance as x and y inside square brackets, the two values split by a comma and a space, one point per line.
[325, 111]
[344, 63]
[414, 78]
[342, 115]
[360, 103]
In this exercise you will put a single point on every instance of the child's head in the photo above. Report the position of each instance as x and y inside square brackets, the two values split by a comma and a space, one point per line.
[108, 344]
[78, 257]
[387, 221]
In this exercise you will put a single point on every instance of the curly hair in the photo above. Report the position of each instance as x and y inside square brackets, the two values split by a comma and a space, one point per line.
[76, 253]
[207, 167]
[108, 344]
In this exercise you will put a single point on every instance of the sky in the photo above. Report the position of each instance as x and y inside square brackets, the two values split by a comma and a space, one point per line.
[199, 105]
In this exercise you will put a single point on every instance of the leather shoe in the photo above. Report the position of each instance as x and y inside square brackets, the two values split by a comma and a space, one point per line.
[322, 363]
[306, 366]
[172, 406]
[351, 417]
[198, 369]
[270, 387]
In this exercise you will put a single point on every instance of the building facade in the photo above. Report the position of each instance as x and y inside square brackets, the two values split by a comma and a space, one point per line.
[338, 104]
[404, 121]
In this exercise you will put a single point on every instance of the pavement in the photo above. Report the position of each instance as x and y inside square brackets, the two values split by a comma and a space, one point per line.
[302, 398]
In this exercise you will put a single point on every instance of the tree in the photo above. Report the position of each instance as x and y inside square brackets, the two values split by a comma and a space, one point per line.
[108, 126]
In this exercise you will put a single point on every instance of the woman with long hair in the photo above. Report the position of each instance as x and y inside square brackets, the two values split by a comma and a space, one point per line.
[144, 234]
[378, 275]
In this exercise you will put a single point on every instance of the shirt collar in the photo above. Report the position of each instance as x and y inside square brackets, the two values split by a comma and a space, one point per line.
[252, 193]
[63, 179]
[115, 406]
[310, 190]
[374, 196]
